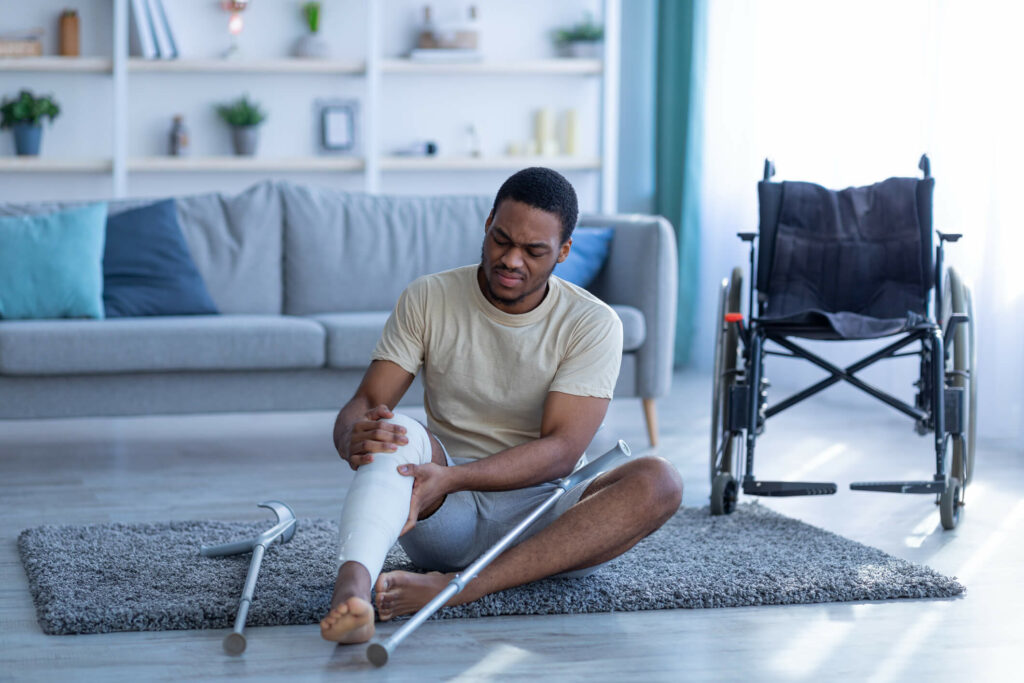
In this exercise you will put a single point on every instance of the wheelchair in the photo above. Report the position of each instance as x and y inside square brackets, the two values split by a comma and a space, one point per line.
[839, 265]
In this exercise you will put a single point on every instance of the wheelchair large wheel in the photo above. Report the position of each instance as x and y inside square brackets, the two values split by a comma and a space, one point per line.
[960, 367]
[724, 443]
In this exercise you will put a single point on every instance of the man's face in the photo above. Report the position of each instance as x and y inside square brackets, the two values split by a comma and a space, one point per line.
[522, 244]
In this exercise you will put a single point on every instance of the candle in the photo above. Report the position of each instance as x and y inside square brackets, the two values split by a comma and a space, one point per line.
[571, 140]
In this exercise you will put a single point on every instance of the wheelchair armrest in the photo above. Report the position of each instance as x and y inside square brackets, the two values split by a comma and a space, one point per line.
[949, 236]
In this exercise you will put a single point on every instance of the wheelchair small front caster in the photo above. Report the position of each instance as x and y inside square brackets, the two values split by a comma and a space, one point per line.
[723, 494]
[949, 504]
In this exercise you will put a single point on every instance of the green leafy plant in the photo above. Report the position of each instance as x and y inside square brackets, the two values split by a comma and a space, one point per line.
[242, 112]
[311, 10]
[587, 31]
[27, 108]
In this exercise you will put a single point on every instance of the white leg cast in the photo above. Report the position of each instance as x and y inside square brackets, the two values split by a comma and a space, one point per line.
[377, 505]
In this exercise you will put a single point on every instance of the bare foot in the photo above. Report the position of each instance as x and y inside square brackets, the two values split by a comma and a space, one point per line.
[401, 593]
[351, 621]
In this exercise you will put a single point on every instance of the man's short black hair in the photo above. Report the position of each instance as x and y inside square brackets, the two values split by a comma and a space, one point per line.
[542, 189]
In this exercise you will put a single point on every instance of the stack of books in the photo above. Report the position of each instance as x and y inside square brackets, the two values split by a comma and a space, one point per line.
[152, 32]
[21, 44]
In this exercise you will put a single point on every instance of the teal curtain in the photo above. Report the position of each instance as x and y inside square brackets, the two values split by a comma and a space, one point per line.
[679, 91]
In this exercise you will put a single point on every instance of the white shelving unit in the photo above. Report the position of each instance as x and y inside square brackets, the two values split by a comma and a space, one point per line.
[375, 72]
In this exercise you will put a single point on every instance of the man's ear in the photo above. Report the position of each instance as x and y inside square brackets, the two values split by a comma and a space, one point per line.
[563, 252]
[490, 219]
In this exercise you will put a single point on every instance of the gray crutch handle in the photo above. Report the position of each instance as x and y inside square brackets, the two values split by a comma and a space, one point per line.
[228, 548]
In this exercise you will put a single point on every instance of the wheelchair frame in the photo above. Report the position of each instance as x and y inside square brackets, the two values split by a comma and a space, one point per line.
[945, 402]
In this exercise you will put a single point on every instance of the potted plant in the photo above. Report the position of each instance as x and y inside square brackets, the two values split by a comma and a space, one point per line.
[24, 115]
[311, 44]
[244, 116]
[582, 40]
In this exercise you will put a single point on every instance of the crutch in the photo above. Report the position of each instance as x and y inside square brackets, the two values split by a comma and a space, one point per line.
[379, 652]
[234, 642]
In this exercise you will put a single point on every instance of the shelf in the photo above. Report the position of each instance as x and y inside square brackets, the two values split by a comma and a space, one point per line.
[53, 165]
[508, 163]
[536, 67]
[244, 164]
[270, 66]
[58, 64]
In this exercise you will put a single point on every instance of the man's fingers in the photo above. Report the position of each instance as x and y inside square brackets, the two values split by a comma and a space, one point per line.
[381, 412]
[407, 470]
[356, 461]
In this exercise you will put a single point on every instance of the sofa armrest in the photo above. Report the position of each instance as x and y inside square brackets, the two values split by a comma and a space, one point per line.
[642, 271]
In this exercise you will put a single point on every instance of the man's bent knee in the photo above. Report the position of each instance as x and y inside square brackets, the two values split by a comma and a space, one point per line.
[662, 483]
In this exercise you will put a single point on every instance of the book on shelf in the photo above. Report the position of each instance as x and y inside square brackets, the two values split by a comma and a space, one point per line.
[22, 43]
[142, 39]
[164, 42]
[169, 23]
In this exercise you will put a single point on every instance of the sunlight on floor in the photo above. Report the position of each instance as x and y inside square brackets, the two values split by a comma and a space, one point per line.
[826, 456]
[919, 634]
[493, 664]
[807, 650]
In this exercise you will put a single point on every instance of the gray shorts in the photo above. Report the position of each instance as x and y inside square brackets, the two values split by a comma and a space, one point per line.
[469, 522]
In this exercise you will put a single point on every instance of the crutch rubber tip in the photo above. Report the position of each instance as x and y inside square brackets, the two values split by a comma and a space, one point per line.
[234, 644]
[377, 653]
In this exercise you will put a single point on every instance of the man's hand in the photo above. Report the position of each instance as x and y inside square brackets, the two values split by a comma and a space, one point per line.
[432, 484]
[370, 435]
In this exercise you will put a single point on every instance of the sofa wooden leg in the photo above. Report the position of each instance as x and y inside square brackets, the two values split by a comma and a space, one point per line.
[651, 415]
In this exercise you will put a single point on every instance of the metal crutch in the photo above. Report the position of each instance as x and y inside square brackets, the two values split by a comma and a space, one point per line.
[380, 652]
[234, 642]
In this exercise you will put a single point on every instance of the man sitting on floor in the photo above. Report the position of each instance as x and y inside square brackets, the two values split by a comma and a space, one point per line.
[518, 369]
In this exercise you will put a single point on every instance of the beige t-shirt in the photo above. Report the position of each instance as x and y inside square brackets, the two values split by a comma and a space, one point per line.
[487, 373]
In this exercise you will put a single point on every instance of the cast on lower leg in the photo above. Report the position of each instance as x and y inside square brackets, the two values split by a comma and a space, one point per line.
[377, 505]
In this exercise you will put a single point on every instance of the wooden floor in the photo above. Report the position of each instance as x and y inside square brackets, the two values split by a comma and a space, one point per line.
[164, 468]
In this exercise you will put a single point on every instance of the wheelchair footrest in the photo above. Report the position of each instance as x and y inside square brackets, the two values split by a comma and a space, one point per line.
[900, 486]
[788, 488]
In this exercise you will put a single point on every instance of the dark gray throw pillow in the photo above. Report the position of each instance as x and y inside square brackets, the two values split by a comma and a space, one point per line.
[147, 268]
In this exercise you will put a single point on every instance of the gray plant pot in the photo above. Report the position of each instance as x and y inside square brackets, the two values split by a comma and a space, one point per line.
[312, 46]
[27, 138]
[245, 140]
[585, 49]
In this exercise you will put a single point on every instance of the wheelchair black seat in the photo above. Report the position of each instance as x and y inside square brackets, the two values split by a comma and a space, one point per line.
[845, 264]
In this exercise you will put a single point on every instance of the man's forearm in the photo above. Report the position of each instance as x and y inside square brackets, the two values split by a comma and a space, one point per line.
[529, 464]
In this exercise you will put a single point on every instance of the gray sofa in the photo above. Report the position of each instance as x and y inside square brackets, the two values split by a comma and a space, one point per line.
[304, 279]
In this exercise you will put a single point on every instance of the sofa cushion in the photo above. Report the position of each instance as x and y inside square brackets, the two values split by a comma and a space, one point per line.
[634, 327]
[351, 336]
[147, 268]
[588, 253]
[160, 344]
[357, 252]
[236, 243]
[51, 264]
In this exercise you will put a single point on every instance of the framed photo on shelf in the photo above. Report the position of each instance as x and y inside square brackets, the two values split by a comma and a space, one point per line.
[339, 125]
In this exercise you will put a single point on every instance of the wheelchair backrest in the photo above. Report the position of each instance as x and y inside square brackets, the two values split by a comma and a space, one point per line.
[845, 244]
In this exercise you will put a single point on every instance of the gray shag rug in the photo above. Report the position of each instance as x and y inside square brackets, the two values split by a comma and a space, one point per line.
[150, 577]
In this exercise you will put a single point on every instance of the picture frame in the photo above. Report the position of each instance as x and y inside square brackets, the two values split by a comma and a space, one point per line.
[338, 124]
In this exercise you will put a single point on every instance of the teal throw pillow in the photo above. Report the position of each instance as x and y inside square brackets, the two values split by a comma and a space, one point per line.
[588, 253]
[51, 265]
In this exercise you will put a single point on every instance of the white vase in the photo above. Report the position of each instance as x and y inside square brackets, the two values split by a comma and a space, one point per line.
[312, 46]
